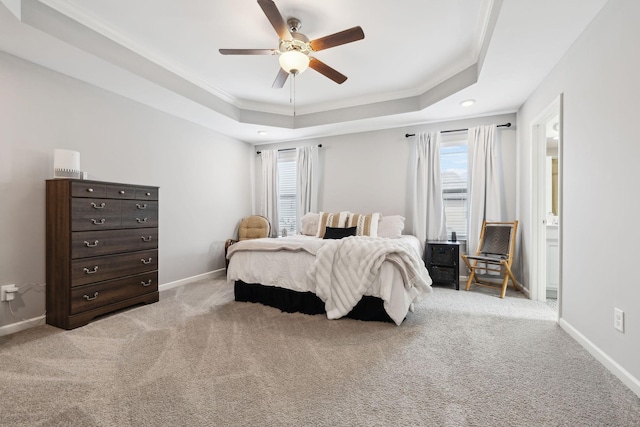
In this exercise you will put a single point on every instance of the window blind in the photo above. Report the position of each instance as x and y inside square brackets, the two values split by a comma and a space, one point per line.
[287, 192]
[454, 170]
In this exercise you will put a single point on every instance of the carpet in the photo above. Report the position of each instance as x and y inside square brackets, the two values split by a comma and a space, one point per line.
[198, 358]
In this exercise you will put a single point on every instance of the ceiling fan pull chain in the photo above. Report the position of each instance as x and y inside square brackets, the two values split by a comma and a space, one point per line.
[294, 94]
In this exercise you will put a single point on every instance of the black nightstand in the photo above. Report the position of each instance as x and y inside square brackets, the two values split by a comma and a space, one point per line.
[442, 260]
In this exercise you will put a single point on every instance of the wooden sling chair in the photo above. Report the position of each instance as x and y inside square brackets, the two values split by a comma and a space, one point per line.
[494, 257]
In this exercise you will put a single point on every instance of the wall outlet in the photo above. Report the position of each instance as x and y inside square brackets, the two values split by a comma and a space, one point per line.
[7, 292]
[618, 319]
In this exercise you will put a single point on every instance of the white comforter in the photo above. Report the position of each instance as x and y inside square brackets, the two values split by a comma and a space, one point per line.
[395, 274]
[344, 269]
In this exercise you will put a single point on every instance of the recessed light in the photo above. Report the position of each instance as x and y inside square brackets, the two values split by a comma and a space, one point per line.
[262, 132]
[468, 102]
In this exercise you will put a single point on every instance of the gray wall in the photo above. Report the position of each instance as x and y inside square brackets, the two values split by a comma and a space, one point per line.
[369, 172]
[204, 177]
[598, 78]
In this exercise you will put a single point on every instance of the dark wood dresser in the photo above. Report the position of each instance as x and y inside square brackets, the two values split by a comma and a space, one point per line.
[102, 249]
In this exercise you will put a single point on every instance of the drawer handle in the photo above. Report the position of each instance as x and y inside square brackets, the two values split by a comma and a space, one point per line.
[148, 194]
[91, 245]
[146, 261]
[147, 283]
[88, 298]
[146, 239]
[100, 206]
[95, 270]
[98, 221]
[141, 206]
[89, 190]
[121, 191]
[141, 221]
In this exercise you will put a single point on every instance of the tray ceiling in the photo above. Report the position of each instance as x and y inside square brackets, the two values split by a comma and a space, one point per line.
[416, 63]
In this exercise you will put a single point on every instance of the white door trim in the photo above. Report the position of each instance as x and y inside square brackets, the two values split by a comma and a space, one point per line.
[538, 267]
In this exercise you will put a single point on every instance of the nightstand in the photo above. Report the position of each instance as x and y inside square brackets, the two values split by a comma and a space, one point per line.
[442, 260]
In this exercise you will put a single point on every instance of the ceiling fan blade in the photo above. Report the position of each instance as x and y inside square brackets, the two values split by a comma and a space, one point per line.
[277, 21]
[343, 37]
[327, 71]
[281, 78]
[248, 51]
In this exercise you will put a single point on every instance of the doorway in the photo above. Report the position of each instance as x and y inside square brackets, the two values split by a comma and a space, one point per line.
[546, 158]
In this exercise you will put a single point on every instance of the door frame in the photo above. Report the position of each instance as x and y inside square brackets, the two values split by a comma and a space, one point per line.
[538, 265]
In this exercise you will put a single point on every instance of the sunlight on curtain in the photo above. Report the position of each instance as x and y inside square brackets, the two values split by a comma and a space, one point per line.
[269, 196]
[486, 200]
[307, 182]
[428, 208]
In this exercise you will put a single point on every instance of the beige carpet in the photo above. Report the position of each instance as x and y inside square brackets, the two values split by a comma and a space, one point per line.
[196, 358]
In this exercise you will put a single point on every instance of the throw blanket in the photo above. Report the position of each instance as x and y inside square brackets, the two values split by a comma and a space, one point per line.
[344, 269]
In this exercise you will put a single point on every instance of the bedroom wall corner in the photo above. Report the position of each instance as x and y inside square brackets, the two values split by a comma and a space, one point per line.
[204, 177]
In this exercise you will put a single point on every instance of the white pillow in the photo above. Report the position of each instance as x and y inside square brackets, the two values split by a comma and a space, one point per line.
[309, 224]
[391, 226]
[367, 225]
[327, 219]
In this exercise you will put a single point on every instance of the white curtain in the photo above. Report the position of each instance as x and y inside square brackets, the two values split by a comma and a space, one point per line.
[485, 198]
[428, 207]
[269, 196]
[306, 182]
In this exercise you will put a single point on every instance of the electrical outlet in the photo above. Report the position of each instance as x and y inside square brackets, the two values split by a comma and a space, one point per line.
[618, 319]
[7, 292]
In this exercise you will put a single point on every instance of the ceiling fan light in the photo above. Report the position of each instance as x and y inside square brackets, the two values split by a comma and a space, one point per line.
[294, 62]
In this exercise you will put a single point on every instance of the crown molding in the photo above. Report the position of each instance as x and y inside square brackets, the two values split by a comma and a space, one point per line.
[75, 12]
[67, 21]
[14, 7]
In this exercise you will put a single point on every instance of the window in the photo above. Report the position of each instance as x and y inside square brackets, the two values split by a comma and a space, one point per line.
[453, 170]
[287, 191]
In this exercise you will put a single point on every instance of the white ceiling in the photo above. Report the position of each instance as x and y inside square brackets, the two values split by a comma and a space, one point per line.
[418, 60]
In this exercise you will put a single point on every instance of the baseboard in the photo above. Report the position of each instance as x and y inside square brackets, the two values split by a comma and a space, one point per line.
[23, 325]
[623, 375]
[215, 274]
[41, 320]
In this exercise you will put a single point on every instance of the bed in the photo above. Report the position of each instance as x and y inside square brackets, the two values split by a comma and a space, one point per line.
[359, 276]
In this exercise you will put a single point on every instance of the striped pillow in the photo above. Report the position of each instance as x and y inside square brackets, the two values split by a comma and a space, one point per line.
[336, 220]
[367, 225]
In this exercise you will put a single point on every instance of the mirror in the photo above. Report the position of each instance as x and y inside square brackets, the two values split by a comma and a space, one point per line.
[551, 170]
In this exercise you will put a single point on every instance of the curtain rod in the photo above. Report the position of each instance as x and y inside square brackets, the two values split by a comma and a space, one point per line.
[506, 125]
[290, 149]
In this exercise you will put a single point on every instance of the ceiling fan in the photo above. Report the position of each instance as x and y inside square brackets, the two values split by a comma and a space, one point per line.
[295, 48]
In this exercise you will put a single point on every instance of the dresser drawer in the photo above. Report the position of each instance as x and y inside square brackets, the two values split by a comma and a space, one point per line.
[95, 243]
[120, 191]
[137, 213]
[443, 255]
[89, 270]
[94, 214]
[147, 193]
[88, 189]
[442, 274]
[97, 295]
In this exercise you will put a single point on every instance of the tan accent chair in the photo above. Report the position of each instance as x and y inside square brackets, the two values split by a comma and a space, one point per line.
[251, 227]
[494, 255]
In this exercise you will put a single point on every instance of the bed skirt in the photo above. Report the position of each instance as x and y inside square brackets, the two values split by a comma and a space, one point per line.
[369, 308]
